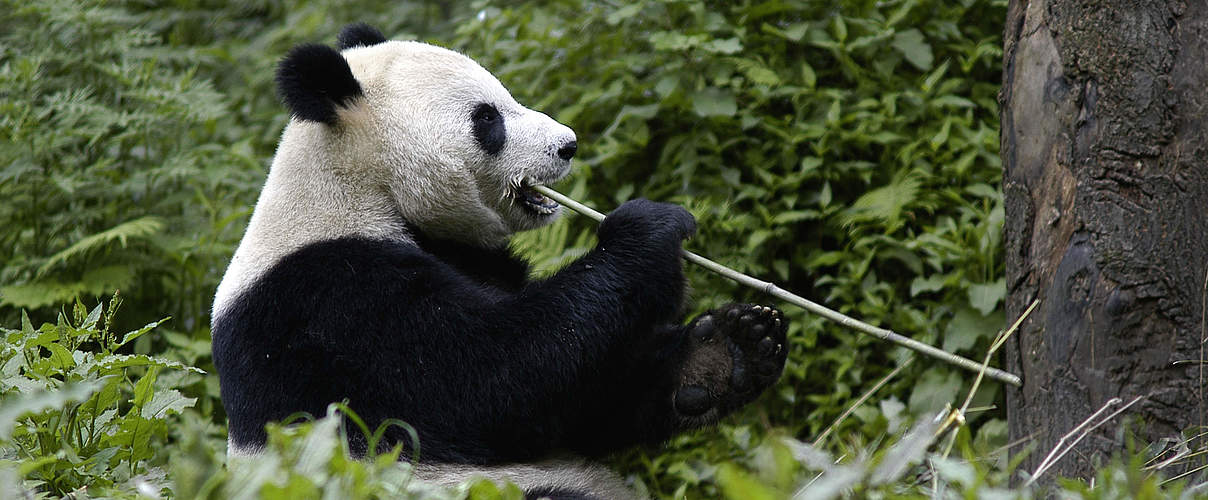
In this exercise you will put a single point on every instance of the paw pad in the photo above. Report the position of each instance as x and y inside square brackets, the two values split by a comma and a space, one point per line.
[736, 352]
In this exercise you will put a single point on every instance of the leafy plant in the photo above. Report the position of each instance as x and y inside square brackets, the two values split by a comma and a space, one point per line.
[78, 414]
[847, 150]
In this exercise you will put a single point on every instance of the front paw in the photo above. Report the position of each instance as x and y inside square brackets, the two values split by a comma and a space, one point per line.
[733, 354]
[642, 219]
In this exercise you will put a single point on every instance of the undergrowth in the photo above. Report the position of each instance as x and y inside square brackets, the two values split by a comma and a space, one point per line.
[847, 150]
[81, 419]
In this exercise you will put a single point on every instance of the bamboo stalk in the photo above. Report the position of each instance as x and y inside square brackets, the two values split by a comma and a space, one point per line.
[782, 294]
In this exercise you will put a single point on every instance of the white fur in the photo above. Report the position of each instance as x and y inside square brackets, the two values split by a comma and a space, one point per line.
[405, 151]
[570, 474]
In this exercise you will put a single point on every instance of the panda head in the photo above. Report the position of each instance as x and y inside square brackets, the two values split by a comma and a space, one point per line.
[433, 134]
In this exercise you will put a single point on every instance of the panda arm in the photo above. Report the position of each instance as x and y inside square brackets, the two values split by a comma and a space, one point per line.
[585, 359]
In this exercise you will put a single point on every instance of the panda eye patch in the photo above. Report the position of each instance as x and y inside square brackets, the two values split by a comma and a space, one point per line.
[488, 128]
[485, 113]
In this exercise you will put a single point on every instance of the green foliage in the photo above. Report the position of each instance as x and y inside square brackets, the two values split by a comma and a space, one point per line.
[78, 414]
[113, 173]
[847, 150]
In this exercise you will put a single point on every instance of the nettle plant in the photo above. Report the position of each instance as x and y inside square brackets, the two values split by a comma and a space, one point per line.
[77, 414]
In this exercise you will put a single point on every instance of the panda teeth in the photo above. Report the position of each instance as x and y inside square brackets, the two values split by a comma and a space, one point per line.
[537, 202]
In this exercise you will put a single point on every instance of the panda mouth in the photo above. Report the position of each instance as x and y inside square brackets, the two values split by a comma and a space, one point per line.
[534, 201]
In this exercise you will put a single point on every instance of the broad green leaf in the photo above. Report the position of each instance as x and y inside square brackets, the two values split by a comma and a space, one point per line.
[808, 76]
[144, 389]
[166, 401]
[933, 283]
[615, 17]
[737, 484]
[25, 404]
[985, 296]
[914, 47]
[673, 41]
[723, 46]
[933, 391]
[61, 357]
[714, 102]
[967, 326]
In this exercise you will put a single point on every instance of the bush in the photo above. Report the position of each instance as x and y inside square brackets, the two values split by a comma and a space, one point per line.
[847, 150]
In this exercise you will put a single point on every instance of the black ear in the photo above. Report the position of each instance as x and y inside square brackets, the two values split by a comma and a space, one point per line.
[313, 79]
[359, 35]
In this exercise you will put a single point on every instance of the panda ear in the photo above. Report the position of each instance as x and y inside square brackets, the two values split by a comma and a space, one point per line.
[359, 35]
[313, 79]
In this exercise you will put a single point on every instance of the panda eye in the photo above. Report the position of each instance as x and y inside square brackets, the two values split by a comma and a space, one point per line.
[485, 114]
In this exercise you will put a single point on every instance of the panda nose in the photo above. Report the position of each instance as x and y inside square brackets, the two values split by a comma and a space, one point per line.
[567, 151]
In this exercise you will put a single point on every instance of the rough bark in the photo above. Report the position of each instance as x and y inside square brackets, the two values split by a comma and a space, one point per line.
[1105, 154]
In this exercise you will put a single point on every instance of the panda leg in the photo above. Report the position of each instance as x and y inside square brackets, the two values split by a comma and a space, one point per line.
[728, 357]
[682, 377]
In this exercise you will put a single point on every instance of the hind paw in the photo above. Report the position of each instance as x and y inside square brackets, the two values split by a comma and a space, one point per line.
[734, 353]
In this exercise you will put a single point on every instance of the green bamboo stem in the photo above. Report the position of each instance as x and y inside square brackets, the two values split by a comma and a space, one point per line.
[782, 294]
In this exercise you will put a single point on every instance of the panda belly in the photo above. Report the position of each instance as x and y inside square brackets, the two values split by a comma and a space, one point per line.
[363, 320]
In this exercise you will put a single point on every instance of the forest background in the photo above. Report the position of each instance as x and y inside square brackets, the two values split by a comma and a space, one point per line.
[846, 150]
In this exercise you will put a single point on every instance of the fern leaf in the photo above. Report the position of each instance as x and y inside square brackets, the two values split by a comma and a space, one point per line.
[883, 205]
[137, 228]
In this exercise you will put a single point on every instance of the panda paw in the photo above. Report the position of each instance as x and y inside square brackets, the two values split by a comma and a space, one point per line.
[733, 354]
[641, 219]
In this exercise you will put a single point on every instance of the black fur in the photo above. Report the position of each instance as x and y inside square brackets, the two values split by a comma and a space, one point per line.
[557, 494]
[313, 79]
[487, 365]
[359, 35]
[488, 128]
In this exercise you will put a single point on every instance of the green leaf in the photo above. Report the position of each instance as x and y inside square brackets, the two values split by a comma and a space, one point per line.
[934, 390]
[16, 407]
[674, 41]
[131, 335]
[914, 47]
[757, 72]
[144, 390]
[985, 296]
[714, 102]
[137, 228]
[933, 283]
[164, 402]
[967, 326]
[61, 357]
[736, 484]
[824, 197]
[723, 46]
[809, 163]
[615, 17]
[808, 77]
[93, 317]
[884, 204]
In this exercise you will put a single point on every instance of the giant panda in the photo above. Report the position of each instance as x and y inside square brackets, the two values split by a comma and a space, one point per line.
[376, 270]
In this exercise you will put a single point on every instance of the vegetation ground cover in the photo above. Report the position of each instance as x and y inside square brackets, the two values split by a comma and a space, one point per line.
[846, 150]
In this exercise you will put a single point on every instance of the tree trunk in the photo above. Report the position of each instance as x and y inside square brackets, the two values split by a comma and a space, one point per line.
[1105, 153]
